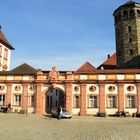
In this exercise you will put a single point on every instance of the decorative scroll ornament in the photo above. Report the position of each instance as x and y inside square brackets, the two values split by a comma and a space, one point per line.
[130, 88]
[111, 88]
[76, 88]
[1, 87]
[54, 74]
[17, 88]
[31, 87]
[5, 66]
[92, 88]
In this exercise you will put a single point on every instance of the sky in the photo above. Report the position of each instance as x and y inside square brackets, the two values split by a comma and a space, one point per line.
[64, 33]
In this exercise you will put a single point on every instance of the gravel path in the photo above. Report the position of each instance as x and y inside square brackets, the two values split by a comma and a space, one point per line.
[33, 127]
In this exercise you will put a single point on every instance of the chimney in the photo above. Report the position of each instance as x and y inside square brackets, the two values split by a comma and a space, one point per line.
[108, 56]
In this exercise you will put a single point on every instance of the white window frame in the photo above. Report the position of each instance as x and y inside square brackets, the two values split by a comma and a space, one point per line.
[112, 101]
[17, 100]
[92, 102]
[2, 99]
[131, 101]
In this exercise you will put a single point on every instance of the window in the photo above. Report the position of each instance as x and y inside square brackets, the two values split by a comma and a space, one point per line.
[0, 50]
[119, 16]
[131, 52]
[130, 101]
[5, 53]
[76, 102]
[138, 11]
[130, 40]
[116, 19]
[31, 100]
[131, 12]
[56, 104]
[93, 101]
[17, 100]
[129, 29]
[2, 99]
[112, 101]
[125, 13]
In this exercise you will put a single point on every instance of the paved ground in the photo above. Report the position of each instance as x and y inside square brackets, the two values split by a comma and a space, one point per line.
[33, 127]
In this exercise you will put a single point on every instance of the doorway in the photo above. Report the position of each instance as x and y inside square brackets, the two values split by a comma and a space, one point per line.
[54, 98]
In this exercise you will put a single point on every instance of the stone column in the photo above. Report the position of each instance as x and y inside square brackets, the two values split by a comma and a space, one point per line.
[121, 97]
[83, 110]
[9, 93]
[38, 109]
[69, 96]
[25, 96]
[138, 98]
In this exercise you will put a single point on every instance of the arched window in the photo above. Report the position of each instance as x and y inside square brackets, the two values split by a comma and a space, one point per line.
[119, 16]
[125, 13]
[138, 12]
[131, 12]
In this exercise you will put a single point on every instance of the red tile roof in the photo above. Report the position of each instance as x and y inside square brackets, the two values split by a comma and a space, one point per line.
[85, 68]
[4, 41]
[111, 60]
[110, 63]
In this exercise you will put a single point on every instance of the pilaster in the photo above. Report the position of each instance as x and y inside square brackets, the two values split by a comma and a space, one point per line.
[138, 98]
[101, 97]
[25, 96]
[69, 97]
[120, 97]
[83, 110]
[38, 99]
[9, 93]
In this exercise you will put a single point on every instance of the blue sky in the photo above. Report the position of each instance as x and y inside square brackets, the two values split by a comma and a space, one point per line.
[64, 33]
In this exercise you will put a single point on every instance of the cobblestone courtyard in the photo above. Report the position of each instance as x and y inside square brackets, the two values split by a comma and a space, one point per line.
[33, 127]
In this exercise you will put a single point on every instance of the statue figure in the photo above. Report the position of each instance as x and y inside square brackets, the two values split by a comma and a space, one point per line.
[53, 74]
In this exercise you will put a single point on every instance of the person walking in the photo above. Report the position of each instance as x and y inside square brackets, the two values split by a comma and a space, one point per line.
[59, 112]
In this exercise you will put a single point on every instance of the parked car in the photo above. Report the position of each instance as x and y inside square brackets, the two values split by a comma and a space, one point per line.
[65, 113]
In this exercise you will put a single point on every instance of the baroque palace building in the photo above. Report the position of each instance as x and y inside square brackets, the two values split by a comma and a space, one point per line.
[113, 86]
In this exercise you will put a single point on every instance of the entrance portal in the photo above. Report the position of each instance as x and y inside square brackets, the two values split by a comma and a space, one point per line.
[54, 98]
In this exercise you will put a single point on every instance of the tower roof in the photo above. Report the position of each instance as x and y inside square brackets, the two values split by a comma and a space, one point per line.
[4, 40]
[127, 4]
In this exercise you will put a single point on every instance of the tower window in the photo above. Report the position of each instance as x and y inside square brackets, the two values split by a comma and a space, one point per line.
[138, 12]
[116, 19]
[125, 13]
[129, 29]
[130, 40]
[119, 16]
[131, 12]
[131, 52]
